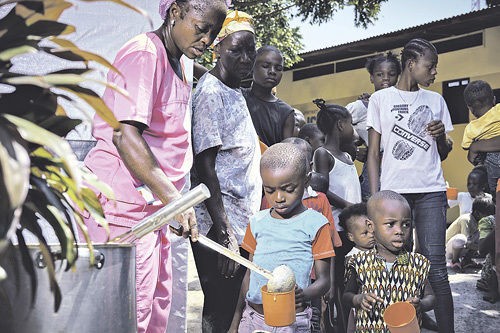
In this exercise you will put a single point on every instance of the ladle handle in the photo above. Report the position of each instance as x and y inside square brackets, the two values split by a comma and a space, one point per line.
[167, 213]
[233, 256]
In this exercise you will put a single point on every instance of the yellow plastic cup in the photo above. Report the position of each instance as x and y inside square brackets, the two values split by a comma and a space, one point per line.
[452, 193]
[279, 308]
[401, 317]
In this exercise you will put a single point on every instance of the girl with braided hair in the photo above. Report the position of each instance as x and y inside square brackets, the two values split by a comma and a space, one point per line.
[410, 123]
[330, 160]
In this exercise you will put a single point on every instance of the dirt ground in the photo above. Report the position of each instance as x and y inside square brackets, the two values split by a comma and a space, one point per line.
[472, 314]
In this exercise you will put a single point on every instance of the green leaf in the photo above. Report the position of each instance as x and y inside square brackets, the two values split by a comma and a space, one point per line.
[10, 53]
[84, 230]
[93, 206]
[69, 47]
[29, 221]
[14, 166]
[92, 180]
[27, 264]
[35, 134]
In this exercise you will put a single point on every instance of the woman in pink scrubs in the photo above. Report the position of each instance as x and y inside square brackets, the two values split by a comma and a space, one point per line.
[153, 151]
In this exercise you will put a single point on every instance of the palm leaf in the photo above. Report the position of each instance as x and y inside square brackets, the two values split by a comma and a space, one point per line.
[27, 264]
[69, 47]
[12, 52]
[29, 221]
[35, 134]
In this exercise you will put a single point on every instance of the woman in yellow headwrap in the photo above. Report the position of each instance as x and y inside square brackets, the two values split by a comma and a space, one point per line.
[227, 156]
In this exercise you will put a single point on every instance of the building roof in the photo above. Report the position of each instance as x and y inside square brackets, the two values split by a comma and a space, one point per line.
[448, 27]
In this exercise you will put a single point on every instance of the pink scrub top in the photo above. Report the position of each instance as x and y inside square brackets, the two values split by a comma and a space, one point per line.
[158, 99]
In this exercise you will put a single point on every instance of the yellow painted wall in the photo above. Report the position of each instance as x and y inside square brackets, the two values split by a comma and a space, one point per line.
[477, 63]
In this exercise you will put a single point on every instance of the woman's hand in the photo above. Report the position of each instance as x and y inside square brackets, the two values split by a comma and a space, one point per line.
[226, 266]
[366, 301]
[187, 219]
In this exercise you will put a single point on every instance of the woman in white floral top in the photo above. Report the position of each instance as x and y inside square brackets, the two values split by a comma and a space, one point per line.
[227, 159]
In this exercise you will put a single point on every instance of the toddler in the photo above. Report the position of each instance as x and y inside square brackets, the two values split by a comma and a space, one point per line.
[477, 185]
[354, 221]
[312, 134]
[480, 99]
[388, 273]
[288, 233]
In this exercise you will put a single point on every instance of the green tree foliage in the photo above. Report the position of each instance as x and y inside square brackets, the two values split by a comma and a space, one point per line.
[272, 21]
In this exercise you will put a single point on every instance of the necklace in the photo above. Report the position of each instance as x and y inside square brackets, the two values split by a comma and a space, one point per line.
[399, 93]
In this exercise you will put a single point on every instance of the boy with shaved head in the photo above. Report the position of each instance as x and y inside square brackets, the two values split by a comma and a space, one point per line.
[387, 274]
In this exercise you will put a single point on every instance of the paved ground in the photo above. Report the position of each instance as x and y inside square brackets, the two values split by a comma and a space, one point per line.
[472, 314]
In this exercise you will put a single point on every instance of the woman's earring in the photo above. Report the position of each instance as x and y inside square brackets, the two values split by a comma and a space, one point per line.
[173, 23]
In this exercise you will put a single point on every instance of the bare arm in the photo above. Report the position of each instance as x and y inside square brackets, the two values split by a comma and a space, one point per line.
[319, 287]
[288, 127]
[323, 165]
[139, 159]
[205, 165]
[483, 146]
[373, 160]
[426, 303]
[240, 306]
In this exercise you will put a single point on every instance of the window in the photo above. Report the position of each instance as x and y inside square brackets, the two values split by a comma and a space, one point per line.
[453, 93]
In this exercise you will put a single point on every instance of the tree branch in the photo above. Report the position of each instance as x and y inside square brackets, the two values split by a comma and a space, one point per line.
[247, 3]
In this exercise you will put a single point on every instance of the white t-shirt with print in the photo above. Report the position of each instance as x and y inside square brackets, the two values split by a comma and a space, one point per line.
[411, 162]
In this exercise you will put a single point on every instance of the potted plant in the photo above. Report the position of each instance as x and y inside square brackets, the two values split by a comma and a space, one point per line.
[40, 178]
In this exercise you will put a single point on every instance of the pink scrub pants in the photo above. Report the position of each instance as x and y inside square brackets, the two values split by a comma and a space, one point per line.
[153, 274]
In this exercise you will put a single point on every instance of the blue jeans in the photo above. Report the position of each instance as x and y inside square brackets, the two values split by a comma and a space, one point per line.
[492, 164]
[429, 218]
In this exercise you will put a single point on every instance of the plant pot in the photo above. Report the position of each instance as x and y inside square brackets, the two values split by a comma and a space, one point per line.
[97, 299]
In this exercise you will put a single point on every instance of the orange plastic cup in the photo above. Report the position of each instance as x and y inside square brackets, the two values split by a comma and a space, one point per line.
[452, 193]
[279, 308]
[401, 317]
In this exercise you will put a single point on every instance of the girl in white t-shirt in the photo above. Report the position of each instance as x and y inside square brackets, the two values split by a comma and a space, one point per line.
[410, 124]
[477, 184]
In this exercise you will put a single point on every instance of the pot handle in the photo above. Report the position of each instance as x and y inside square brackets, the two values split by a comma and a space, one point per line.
[82, 253]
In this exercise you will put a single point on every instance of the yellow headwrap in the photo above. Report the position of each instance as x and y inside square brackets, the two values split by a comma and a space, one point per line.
[235, 21]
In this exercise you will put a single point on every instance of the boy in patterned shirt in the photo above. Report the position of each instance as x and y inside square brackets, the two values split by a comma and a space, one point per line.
[387, 274]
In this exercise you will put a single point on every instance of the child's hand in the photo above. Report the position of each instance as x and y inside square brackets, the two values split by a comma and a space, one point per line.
[364, 97]
[329, 297]
[366, 301]
[435, 128]
[415, 301]
[299, 297]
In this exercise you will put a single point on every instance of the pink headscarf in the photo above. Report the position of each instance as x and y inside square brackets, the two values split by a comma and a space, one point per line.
[165, 5]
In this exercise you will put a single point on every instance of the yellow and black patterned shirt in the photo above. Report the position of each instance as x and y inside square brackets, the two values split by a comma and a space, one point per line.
[406, 278]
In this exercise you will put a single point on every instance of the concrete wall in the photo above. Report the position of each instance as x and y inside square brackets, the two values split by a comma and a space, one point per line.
[479, 62]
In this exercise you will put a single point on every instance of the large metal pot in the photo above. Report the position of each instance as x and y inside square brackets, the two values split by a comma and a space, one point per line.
[97, 299]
